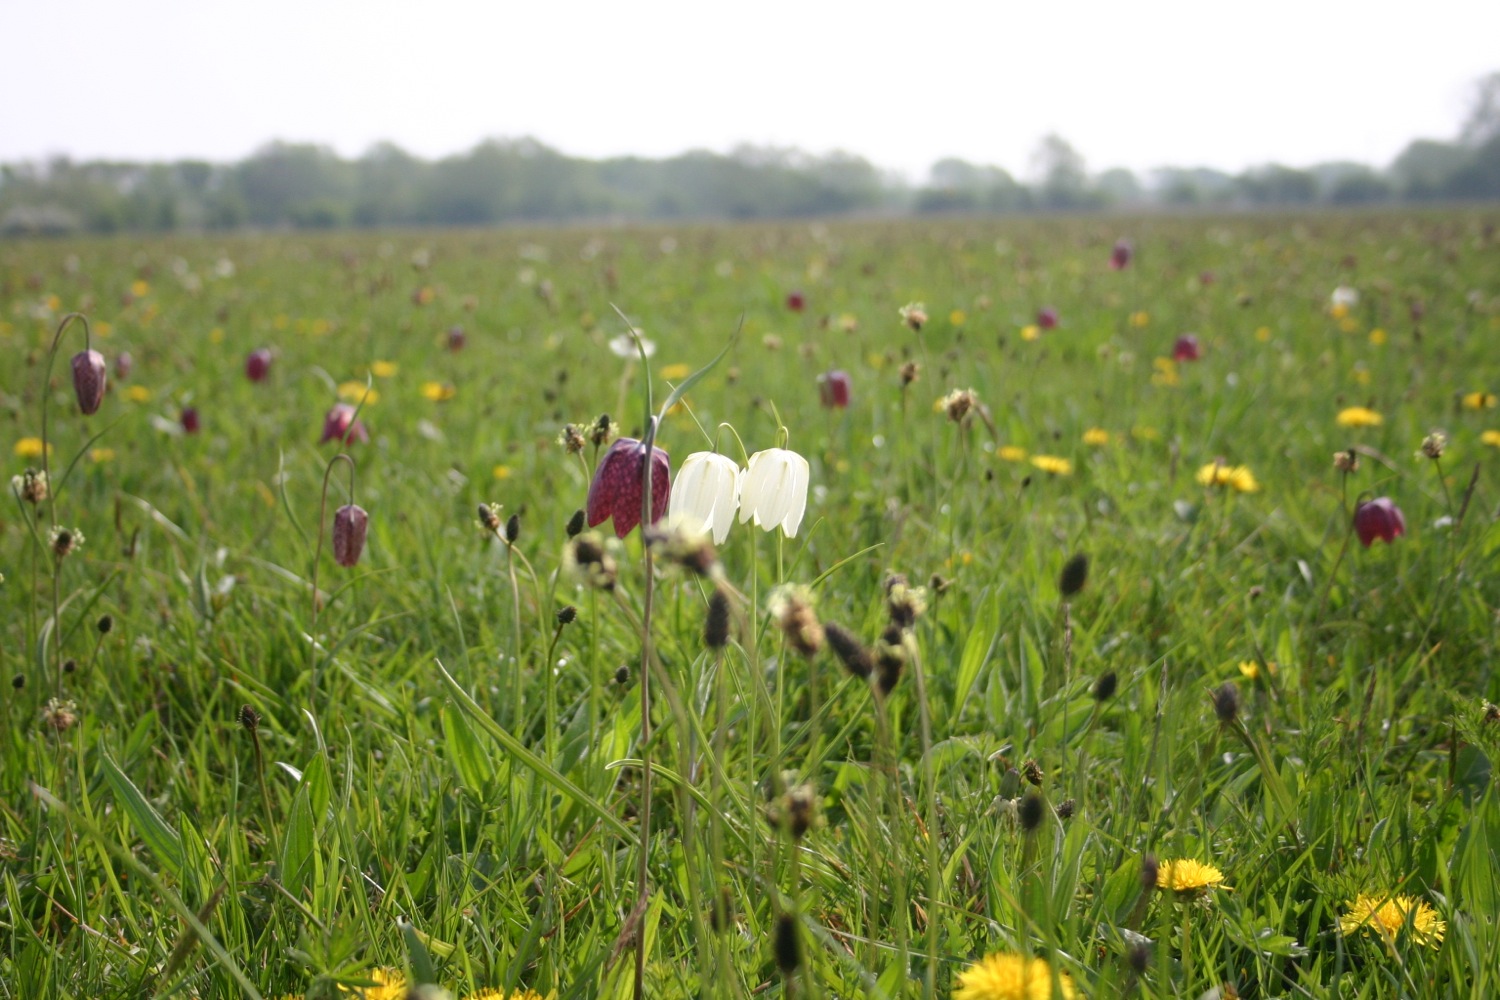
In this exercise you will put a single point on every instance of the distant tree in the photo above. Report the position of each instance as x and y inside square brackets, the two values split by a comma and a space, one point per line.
[1119, 186]
[1278, 185]
[1424, 167]
[282, 181]
[1483, 123]
[1479, 177]
[1063, 174]
[1359, 187]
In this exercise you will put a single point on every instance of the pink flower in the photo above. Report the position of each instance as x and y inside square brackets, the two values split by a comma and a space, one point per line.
[258, 364]
[456, 339]
[1119, 257]
[189, 418]
[339, 425]
[88, 380]
[1379, 518]
[833, 388]
[795, 302]
[1186, 348]
[1046, 318]
[350, 522]
[616, 489]
[123, 363]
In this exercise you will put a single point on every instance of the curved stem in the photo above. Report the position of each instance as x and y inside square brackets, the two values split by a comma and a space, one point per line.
[317, 558]
[643, 869]
[88, 345]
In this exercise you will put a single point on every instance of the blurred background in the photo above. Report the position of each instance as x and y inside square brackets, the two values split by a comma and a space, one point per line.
[168, 115]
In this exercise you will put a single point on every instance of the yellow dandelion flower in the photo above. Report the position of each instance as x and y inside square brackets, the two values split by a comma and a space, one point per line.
[320, 327]
[103, 328]
[138, 394]
[1338, 311]
[1491, 438]
[1005, 976]
[1480, 401]
[1236, 477]
[1165, 371]
[496, 994]
[53, 303]
[1145, 433]
[216, 335]
[383, 369]
[438, 392]
[958, 317]
[1362, 375]
[677, 371]
[1031, 332]
[1251, 669]
[353, 392]
[1185, 875]
[502, 471]
[1358, 416]
[1263, 334]
[1052, 464]
[1349, 324]
[1140, 318]
[1387, 916]
[279, 321]
[31, 448]
[1378, 336]
[1014, 453]
[1096, 437]
[140, 289]
[101, 455]
[390, 985]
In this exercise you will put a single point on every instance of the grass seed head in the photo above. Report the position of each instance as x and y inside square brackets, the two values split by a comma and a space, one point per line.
[716, 625]
[1075, 574]
[787, 947]
[850, 651]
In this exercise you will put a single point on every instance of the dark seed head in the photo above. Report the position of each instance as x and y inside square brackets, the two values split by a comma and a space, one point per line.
[1031, 811]
[622, 675]
[1075, 573]
[1139, 957]
[1066, 808]
[849, 650]
[567, 614]
[104, 624]
[513, 528]
[69, 665]
[1226, 698]
[18, 681]
[1149, 871]
[488, 518]
[716, 626]
[788, 947]
[1105, 686]
[249, 718]
[575, 523]
[1032, 772]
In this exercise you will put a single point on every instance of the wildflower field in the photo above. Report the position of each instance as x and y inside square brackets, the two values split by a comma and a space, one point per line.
[1047, 608]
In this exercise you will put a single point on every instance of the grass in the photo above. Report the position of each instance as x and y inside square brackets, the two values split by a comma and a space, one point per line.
[444, 779]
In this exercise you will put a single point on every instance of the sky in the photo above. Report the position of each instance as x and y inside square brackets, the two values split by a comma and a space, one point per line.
[1139, 85]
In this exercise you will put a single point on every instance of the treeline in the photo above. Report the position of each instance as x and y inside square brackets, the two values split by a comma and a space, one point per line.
[288, 185]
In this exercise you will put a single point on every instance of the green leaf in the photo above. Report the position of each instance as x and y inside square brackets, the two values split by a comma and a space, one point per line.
[160, 839]
[469, 758]
[977, 650]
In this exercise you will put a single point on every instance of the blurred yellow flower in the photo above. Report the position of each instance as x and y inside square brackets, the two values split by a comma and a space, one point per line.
[383, 369]
[1165, 373]
[1388, 916]
[103, 328]
[140, 289]
[31, 447]
[138, 394]
[1140, 318]
[53, 303]
[1005, 976]
[1377, 336]
[353, 392]
[1187, 876]
[101, 454]
[1251, 669]
[1358, 416]
[502, 471]
[1362, 375]
[1030, 332]
[438, 392]
[496, 994]
[1263, 334]
[391, 985]
[1145, 433]
[1013, 453]
[1052, 464]
[1480, 401]
[848, 322]
[320, 327]
[1349, 324]
[677, 371]
[279, 321]
[1338, 311]
[1491, 438]
[1237, 477]
[1096, 437]
[958, 317]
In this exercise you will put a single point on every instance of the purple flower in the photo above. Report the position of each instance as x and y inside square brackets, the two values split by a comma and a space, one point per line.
[339, 425]
[1119, 257]
[456, 338]
[1046, 318]
[833, 389]
[123, 363]
[796, 302]
[1379, 518]
[88, 380]
[258, 364]
[1186, 348]
[616, 489]
[189, 417]
[350, 523]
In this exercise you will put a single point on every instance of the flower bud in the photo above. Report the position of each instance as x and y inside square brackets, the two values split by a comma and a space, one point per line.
[258, 364]
[350, 523]
[1379, 518]
[190, 420]
[88, 380]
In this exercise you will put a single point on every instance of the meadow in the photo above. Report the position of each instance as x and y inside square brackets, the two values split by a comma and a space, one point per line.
[1088, 671]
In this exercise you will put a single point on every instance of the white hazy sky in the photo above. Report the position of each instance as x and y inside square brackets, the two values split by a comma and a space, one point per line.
[1135, 84]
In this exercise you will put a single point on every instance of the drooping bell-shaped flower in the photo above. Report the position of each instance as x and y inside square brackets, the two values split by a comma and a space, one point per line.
[796, 301]
[617, 487]
[1379, 518]
[1046, 318]
[88, 380]
[350, 524]
[258, 364]
[774, 490]
[339, 425]
[833, 389]
[1186, 348]
[706, 493]
[191, 423]
[1119, 257]
[123, 364]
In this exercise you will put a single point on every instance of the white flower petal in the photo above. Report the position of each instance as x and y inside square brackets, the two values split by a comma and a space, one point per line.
[797, 494]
